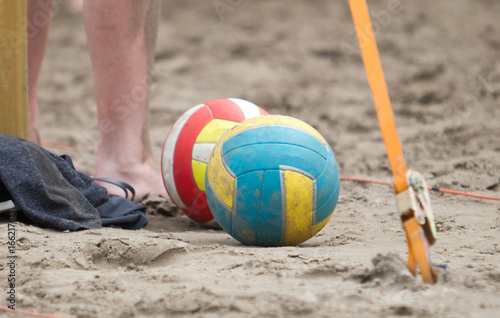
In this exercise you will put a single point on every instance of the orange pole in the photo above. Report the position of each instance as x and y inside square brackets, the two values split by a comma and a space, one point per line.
[380, 92]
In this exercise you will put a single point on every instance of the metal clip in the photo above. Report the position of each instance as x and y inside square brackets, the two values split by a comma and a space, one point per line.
[423, 212]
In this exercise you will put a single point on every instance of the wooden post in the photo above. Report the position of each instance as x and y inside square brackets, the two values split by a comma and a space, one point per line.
[13, 68]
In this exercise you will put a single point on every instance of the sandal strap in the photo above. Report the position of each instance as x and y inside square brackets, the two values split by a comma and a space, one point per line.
[120, 184]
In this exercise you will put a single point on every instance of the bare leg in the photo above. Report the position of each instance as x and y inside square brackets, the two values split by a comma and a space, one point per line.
[39, 19]
[75, 5]
[121, 37]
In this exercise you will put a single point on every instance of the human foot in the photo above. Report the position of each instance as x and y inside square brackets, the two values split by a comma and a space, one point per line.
[145, 178]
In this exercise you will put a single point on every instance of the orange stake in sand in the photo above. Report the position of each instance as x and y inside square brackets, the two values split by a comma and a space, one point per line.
[413, 202]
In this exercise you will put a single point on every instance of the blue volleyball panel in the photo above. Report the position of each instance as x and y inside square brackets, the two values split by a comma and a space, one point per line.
[220, 211]
[327, 181]
[271, 156]
[276, 135]
[246, 210]
[322, 212]
[270, 228]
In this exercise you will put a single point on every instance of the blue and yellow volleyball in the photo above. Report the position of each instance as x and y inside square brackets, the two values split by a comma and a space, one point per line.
[272, 181]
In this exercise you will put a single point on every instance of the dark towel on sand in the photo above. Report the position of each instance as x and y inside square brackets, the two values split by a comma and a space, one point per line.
[46, 188]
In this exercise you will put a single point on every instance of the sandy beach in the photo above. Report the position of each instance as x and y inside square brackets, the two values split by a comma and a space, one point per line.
[298, 58]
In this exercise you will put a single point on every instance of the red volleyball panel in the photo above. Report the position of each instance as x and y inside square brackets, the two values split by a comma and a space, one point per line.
[225, 109]
[183, 176]
[263, 112]
[199, 210]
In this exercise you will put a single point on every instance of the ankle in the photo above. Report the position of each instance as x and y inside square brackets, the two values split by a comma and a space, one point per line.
[122, 166]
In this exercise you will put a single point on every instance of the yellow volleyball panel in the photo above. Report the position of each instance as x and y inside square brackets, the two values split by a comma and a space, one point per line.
[275, 120]
[299, 196]
[220, 179]
[199, 171]
[212, 132]
[316, 228]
